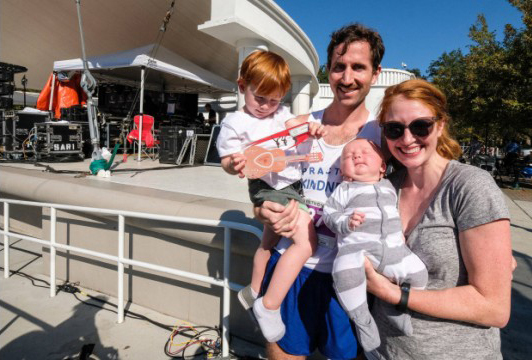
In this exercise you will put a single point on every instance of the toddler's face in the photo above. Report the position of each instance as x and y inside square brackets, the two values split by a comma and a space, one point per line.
[362, 161]
[259, 106]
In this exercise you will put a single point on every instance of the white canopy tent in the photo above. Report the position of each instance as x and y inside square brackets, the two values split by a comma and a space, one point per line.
[171, 71]
[155, 68]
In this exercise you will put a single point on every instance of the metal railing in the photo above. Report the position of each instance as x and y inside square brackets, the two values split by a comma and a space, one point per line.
[121, 260]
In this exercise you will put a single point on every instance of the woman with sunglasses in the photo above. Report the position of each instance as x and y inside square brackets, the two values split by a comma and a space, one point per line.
[455, 219]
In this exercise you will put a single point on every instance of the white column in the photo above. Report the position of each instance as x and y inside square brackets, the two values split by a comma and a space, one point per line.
[141, 108]
[301, 94]
[246, 47]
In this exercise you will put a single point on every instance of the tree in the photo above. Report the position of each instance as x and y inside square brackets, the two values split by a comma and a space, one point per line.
[448, 73]
[323, 75]
[417, 73]
[489, 89]
[519, 59]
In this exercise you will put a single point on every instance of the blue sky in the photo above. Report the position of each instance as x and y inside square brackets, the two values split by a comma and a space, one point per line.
[415, 32]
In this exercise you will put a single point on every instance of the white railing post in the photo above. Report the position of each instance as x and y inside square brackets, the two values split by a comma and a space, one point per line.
[226, 306]
[6, 240]
[53, 223]
[120, 305]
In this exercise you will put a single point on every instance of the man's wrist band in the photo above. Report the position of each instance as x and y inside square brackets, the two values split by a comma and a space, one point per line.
[405, 292]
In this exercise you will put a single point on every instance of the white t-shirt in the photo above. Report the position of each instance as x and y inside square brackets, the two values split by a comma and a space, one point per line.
[319, 181]
[239, 129]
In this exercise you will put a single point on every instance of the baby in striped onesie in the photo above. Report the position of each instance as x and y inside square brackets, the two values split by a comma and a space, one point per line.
[379, 238]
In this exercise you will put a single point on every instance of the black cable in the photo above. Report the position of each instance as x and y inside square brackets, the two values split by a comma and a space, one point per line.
[209, 346]
[30, 278]
[50, 169]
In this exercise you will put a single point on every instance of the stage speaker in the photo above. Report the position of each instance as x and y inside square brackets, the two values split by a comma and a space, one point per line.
[212, 157]
[175, 144]
[202, 144]
[6, 74]
[75, 113]
[26, 122]
[6, 89]
[6, 102]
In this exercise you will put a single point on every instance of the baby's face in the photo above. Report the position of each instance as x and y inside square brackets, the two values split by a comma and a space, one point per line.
[362, 161]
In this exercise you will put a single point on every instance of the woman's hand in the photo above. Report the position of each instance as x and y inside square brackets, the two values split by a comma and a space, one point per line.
[380, 286]
[282, 219]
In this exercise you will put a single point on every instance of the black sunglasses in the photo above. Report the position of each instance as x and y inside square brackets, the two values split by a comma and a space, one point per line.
[422, 127]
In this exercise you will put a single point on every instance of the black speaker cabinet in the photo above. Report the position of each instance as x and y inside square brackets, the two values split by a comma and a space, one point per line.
[172, 140]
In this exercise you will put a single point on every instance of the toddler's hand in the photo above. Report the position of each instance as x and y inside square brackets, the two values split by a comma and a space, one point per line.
[356, 219]
[317, 130]
[237, 163]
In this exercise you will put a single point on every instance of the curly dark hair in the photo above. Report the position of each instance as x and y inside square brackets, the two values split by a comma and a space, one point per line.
[357, 32]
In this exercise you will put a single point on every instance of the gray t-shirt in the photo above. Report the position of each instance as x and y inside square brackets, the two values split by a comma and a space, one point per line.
[467, 197]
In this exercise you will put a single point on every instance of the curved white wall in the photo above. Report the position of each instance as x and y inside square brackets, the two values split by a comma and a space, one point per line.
[251, 24]
[388, 77]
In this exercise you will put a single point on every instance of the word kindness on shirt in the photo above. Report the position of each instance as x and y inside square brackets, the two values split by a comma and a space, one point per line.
[314, 178]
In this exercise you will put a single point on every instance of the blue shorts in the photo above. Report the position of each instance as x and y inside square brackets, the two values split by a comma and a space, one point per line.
[313, 316]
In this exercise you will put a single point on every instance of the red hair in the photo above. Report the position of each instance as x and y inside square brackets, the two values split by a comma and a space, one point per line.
[434, 99]
[267, 71]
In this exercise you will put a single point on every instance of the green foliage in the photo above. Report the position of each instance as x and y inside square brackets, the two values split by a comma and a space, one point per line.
[417, 73]
[323, 75]
[489, 90]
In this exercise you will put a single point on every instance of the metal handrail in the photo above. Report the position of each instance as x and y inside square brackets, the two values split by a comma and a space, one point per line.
[121, 260]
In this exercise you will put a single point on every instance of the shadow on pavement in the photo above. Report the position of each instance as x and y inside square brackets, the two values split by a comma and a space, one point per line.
[516, 336]
[75, 338]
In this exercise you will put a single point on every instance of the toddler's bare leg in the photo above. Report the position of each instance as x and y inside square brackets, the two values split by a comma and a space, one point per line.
[267, 308]
[262, 256]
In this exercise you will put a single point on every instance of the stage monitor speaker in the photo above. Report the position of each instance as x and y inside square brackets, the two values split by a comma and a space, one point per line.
[7, 74]
[75, 113]
[177, 145]
[212, 157]
[6, 89]
[6, 102]
[202, 144]
[8, 71]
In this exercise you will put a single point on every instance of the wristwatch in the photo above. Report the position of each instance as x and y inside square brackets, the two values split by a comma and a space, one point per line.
[405, 292]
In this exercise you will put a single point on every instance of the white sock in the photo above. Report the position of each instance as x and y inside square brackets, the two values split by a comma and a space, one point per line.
[270, 321]
[254, 293]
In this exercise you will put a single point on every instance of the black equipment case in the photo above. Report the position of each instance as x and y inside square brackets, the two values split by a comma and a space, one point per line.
[58, 140]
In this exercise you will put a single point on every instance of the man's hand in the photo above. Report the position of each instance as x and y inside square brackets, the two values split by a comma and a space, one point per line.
[282, 219]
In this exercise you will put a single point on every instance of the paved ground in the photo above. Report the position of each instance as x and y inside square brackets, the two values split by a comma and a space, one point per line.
[83, 325]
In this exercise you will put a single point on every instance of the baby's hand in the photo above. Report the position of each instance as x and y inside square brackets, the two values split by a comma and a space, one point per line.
[237, 163]
[317, 130]
[356, 219]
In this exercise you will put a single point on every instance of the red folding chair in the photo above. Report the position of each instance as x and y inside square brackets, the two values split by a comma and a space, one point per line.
[146, 137]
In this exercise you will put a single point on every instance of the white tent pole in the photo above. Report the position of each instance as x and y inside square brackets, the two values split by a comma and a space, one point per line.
[52, 89]
[142, 70]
